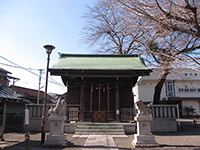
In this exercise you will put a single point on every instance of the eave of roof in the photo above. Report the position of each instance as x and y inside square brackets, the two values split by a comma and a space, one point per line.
[3, 71]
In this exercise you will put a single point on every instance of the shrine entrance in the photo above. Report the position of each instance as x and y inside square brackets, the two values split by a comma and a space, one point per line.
[101, 96]
[100, 102]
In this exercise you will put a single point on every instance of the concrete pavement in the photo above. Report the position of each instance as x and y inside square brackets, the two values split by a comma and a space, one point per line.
[100, 142]
[188, 138]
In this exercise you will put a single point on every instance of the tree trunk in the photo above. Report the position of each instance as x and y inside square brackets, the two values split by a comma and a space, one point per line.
[159, 85]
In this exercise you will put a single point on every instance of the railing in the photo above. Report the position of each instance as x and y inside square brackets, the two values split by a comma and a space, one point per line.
[127, 114]
[163, 115]
[73, 113]
[36, 110]
[163, 111]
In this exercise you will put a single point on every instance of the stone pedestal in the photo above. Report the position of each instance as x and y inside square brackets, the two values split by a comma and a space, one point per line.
[144, 137]
[56, 136]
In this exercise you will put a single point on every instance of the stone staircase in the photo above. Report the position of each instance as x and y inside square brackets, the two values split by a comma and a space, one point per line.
[99, 129]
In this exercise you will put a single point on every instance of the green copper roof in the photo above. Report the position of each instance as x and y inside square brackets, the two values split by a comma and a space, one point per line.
[99, 62]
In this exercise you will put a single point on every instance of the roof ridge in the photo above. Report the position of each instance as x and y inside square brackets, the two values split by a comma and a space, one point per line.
[61, 55]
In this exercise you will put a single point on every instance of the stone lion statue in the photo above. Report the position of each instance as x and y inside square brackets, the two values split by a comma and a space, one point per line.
[59, 109]
[142, 110]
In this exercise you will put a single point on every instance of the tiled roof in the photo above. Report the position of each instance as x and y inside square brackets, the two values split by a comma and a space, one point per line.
[6, 95]
[30, 92]
[11, 98]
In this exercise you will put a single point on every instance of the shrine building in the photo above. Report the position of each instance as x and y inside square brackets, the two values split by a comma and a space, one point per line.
[99, 85]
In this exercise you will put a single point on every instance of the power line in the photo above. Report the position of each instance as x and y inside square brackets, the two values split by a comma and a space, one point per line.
[18, 66]
[58, 84]
[28, 70]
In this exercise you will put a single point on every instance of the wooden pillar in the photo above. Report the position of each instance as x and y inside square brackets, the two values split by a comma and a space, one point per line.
[117, 101]
[82, 101]
[99, 97]
[108, 98]
[91, 90]
[3, 115]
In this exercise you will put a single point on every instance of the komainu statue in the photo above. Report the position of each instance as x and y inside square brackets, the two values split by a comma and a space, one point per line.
[59, 109]
[142, 110]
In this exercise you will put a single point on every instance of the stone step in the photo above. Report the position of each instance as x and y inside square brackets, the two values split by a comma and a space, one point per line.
[99, 128]
[99, 133]
[100, 124]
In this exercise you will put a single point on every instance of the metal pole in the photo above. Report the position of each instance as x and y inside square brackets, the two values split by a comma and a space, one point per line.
[44, 104]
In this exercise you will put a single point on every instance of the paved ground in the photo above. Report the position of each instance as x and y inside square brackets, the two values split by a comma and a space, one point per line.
[187, 139]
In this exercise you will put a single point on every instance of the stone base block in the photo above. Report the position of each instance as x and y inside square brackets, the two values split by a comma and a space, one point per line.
[144, 141]
[56, 140]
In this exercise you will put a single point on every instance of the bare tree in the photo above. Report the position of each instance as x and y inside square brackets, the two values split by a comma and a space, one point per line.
[167, 15]
[177, 23]
[148, 28]
[168, 53]
[112, 29]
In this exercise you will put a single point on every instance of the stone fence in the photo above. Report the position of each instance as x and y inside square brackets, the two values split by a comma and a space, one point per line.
[164, 117]
[35, 116]
[163, 111]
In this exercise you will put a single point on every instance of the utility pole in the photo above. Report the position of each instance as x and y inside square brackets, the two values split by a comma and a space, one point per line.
[38, 98]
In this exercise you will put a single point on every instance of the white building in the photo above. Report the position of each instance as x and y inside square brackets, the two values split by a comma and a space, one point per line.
[181, 87]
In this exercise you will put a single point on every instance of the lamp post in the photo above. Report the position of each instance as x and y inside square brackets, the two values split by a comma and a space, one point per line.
[49, 49]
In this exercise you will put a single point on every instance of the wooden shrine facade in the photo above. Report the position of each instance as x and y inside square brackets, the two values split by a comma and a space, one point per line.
[99, 86]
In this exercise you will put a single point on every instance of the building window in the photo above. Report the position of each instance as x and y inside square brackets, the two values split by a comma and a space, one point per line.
[192, 90]
[181, 90]
[188, 90]
[170, 90]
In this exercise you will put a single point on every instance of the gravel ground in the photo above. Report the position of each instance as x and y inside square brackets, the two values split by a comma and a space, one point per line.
[187, 139]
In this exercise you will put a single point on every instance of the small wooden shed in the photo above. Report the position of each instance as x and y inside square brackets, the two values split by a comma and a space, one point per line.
[99, 85]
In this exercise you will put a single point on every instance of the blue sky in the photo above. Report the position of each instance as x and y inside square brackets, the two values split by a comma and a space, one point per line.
[27, 25]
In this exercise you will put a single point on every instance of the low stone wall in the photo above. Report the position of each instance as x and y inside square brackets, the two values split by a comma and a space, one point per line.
[164, 125]
[35, 125]
[164, 118]
[70, 128]
[129, 128]
[35, 117]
